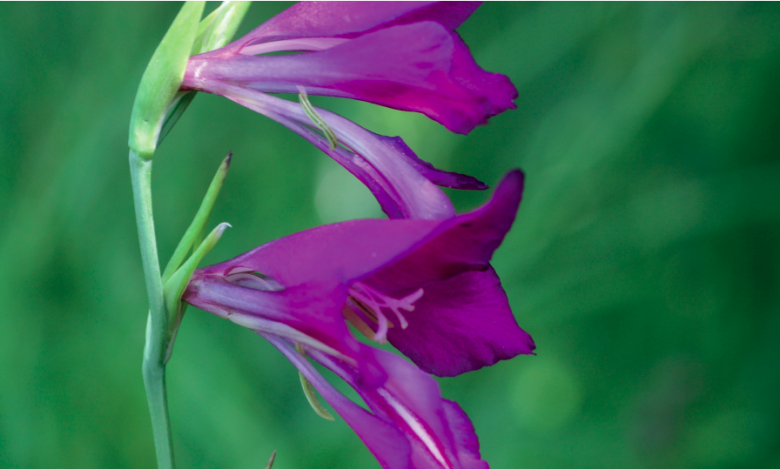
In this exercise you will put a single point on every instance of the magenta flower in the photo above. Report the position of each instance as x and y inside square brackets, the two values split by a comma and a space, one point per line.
[403, 55]
[426, 286]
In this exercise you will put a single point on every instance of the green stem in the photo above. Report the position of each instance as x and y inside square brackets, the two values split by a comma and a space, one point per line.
[157, 325]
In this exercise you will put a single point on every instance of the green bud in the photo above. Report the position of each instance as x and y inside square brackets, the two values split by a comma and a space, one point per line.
[214, 31]
[161, 80]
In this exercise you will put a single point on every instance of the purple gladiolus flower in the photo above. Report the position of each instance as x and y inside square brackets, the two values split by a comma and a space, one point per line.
[424, 285]
[403, 55]
[429, 279]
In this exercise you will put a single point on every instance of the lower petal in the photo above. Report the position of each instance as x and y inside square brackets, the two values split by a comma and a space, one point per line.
[461, 324]
[383, 439]
[440, 434]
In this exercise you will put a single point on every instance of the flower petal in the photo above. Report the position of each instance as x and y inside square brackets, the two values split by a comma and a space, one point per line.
[329, 254]
[437, 176]
[383, 439]
[466, 441]
[388, 169]
[463, 320]
[461, 324]
[439, 433]
[309, 314]
[420, 67]
[351, 19]
[459, 244]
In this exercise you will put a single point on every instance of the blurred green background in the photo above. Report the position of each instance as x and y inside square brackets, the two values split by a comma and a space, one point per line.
[645, 259]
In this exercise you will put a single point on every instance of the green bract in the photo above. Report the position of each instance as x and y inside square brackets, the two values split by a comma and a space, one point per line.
[178, 272]
[219, 27]
[214, 31]
[162, 79]
[159, 103]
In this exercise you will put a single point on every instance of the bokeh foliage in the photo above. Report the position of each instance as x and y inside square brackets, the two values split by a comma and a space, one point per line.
[645, 259]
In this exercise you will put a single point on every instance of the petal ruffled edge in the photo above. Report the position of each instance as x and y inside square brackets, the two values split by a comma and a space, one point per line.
[461, 324]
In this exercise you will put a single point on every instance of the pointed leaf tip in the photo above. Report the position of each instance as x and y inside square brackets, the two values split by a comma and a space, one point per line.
[195, 232]
[271, 460]
[221, 228]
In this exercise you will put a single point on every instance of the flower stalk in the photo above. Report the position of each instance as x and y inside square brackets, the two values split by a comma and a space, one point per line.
[157, 324]
[158, 105]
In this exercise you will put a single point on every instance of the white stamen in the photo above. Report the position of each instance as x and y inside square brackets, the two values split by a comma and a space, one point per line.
[416, 427]
[249, 278]
[300, 44]
[381, 330]
[376, 300]
[283, 330]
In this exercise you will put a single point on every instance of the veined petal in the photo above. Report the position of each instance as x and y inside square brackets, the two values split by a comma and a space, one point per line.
[439, 433]
[385, 440]
[308, 313]
[351, 19]
[461, 324]
[420, 67]
[466, 442]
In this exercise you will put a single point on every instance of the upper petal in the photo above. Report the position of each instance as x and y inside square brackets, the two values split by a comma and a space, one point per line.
[420, 67]
[463, 320]
[331, 254]
[462, 243]
[350, 19]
